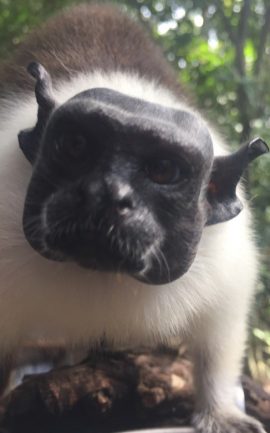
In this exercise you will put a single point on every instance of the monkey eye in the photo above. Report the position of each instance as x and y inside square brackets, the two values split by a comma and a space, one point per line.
[72, 146]
[165, 171]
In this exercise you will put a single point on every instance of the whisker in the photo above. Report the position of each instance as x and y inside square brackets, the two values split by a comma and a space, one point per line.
[161, 258]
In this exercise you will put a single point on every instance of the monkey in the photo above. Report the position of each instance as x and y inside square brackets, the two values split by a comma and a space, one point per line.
[122, 214]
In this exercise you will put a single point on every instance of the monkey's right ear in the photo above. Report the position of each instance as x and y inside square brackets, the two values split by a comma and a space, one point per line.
[29, 139]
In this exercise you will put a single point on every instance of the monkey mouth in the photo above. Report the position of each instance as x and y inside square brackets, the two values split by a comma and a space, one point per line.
[113, 250]
[107, 264]
[101, 259]
[144, 261]
[109, 243]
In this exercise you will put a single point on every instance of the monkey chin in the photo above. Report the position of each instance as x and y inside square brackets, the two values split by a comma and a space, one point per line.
[159, 278]
[147, 271]
[134, 269]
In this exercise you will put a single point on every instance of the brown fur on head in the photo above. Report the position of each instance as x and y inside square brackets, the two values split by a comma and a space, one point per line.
[87, 27]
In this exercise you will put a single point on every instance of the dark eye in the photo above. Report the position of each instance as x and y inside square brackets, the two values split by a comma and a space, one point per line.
[73, 146]
[165, 171]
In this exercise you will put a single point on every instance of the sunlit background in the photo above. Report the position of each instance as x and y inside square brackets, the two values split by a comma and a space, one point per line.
[221, 50]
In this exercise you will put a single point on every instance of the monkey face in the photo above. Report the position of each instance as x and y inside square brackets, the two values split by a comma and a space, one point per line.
[117, 186]
[121, 184]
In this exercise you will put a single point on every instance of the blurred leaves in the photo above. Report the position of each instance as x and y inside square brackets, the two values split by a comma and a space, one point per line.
[221, 49]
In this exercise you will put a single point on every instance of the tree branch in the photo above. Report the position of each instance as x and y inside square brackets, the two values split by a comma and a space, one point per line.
[262, 40]
[241, 37]
[114, 392]
[226, 21]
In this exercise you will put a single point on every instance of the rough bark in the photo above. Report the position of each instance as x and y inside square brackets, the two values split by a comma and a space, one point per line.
[114, 392]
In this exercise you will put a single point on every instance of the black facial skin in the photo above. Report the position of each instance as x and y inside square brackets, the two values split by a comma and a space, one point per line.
[120, 184]
[116, 186]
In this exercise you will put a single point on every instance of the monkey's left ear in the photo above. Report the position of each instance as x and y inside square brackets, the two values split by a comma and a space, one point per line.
[29, 139]
[226, 173]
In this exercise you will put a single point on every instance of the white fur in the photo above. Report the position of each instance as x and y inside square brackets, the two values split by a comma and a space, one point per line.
[37, 295]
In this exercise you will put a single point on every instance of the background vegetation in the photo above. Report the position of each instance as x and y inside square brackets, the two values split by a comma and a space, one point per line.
[221, 49]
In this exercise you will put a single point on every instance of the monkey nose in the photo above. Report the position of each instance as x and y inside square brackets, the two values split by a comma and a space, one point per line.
[121, 198]
[123, 206]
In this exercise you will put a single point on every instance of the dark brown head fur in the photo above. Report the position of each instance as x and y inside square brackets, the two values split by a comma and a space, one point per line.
[84, 38]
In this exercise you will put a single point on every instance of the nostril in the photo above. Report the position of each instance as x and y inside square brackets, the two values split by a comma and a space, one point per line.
[120, 197]
[124, 206]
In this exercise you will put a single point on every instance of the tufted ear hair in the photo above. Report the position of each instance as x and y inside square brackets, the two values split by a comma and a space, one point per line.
[226, 173]
[29, 139]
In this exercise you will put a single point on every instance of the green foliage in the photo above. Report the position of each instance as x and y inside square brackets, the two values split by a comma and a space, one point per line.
[221, 50]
